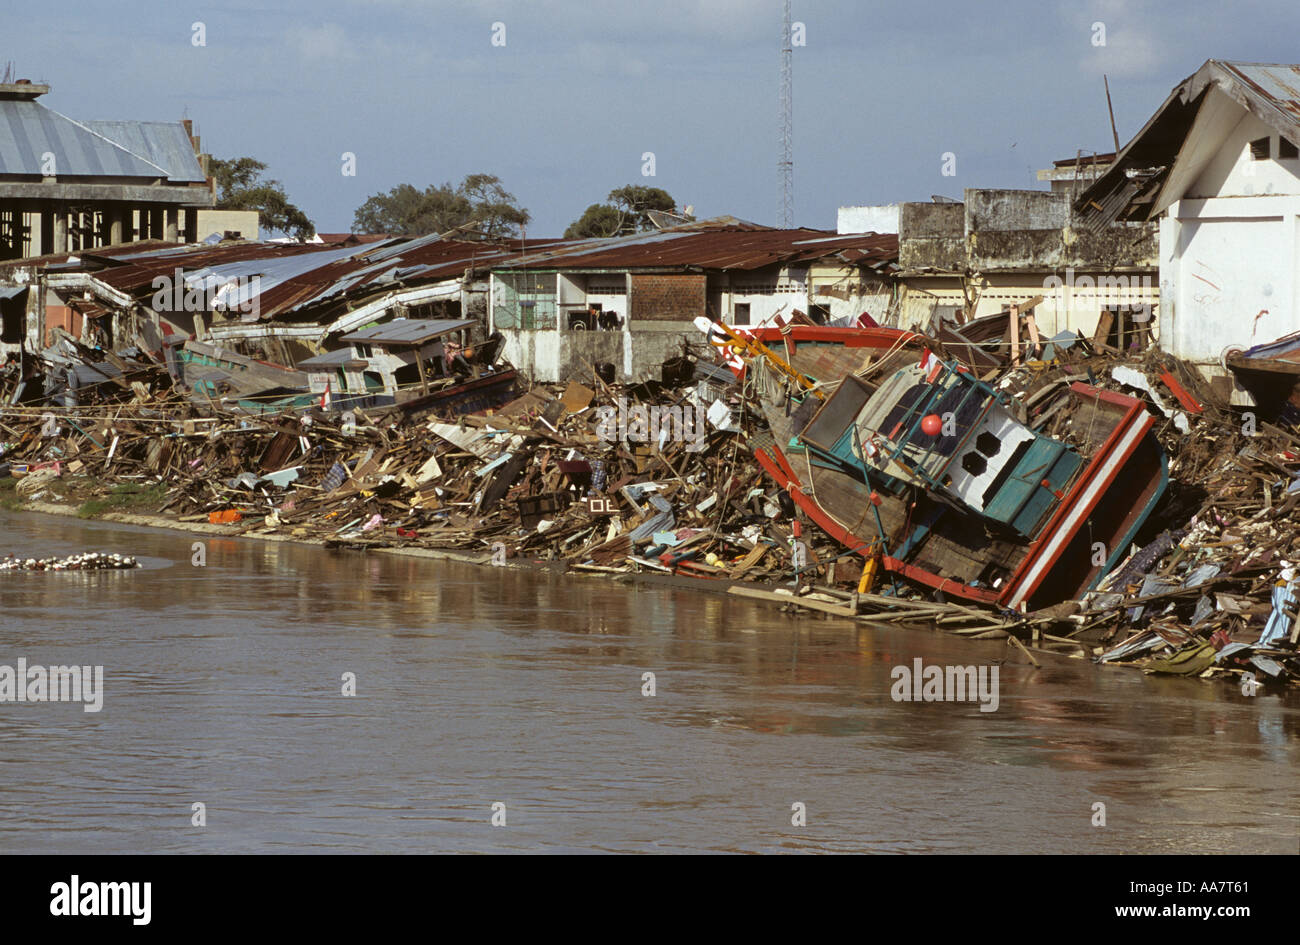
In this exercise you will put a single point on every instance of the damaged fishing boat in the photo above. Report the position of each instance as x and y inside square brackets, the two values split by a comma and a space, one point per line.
[947, 481]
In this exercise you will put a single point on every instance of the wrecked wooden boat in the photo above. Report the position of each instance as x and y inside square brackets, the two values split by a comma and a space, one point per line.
[949, 482]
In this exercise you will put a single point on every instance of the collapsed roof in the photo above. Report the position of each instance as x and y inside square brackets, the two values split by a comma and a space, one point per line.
[1179, 140]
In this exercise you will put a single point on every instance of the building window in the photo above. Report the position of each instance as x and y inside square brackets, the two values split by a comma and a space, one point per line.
[741, 315]
[1259, 149]
[525, 300]
[1287, 149]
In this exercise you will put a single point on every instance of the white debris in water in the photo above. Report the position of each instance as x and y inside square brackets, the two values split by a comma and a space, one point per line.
[90, 561]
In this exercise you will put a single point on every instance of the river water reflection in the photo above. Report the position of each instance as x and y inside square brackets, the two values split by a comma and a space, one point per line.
[476, 686]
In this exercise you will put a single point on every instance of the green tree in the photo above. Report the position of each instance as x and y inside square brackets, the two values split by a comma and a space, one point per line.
[625, 212]
[600, 219]
[479, 203]
[240, 187]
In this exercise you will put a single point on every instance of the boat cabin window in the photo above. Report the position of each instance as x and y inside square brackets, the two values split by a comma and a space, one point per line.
[837, 414]
[897, 412]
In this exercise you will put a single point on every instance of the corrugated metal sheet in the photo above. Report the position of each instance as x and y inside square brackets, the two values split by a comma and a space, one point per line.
[296, 277]
[409, 331]
[329, 359]
[293, 276]
[737, 246]
[28, 130]
[164, 143]
[1276, 85]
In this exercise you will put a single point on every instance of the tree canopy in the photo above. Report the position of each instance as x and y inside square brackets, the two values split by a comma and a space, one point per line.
[479, 201]
[625, 212]
[240, 187]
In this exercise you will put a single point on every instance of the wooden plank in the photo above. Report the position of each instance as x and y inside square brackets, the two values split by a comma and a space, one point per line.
[1103, 327]
[819, 605]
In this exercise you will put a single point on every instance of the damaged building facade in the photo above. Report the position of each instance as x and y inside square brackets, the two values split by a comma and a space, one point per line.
[68, 186]
[630, 302]
[1217, 168]
[997, 248]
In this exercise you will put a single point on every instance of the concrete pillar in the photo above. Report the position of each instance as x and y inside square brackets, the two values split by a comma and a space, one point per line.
[35, 230]
[60, 244]
[103, 226]
[169, 232]
[116, 215]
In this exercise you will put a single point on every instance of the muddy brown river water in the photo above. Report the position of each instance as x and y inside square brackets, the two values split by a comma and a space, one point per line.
[223, 686]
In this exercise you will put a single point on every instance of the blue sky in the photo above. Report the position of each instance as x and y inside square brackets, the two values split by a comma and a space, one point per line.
[565, 109]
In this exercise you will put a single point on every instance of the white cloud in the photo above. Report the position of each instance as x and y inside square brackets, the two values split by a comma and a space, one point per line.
[329, 41]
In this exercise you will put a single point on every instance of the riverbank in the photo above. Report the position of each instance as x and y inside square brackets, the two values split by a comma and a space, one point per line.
[542, 483]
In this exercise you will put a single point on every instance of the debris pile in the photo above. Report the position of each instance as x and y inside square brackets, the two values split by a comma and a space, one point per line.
[1211, 587]
[644, 476]
[662, 479]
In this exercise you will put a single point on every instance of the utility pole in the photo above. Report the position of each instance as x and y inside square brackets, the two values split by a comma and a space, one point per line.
[786, 164]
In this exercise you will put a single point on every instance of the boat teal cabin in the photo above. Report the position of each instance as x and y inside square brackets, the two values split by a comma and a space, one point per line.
[941, 429]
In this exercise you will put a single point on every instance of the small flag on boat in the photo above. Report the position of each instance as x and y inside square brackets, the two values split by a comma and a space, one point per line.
[931, 365]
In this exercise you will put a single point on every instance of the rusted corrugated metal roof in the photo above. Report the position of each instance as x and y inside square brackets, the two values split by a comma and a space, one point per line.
[292, 277]
[732, 246]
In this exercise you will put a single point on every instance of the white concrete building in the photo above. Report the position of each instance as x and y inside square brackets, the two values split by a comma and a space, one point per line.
[1219, 166]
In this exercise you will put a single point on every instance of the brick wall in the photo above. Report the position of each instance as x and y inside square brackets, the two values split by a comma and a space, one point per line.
[666, 298]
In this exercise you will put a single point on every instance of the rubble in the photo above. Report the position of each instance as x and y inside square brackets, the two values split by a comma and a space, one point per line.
[646, 481]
